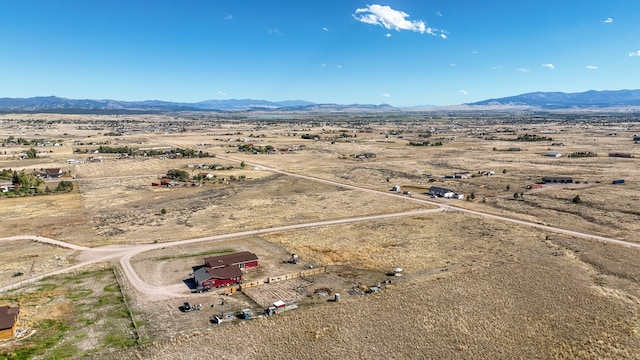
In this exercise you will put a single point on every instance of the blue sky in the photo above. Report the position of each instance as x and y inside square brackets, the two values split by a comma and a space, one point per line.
[402, 53]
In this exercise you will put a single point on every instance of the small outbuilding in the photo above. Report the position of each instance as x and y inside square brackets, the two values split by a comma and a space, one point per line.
[8, 321]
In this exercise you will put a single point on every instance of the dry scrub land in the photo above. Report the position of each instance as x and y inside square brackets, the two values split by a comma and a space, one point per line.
[473, 287]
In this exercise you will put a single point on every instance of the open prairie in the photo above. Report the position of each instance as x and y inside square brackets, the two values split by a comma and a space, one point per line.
[474, 285]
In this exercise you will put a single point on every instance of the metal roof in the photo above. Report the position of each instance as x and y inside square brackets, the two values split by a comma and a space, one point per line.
[230, 259]
[8, 317]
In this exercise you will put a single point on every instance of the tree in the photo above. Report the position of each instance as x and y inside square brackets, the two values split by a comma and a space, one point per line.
[243, 164]
[516, 196]
[504, 171]
[64, 186]
[577, 200]
[15, 179]
[177, 174]
[32, 153]
[508, 187]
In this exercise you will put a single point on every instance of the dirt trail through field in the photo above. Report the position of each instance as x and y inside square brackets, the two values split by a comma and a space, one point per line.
[124, 253]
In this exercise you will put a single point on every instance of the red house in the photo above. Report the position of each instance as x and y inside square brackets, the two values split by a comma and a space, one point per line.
[224, 270]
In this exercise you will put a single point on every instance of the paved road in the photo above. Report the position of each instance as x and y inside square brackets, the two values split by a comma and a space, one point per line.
[154, 293]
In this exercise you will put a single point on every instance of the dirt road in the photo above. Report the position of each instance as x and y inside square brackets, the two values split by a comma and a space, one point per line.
[125, 253]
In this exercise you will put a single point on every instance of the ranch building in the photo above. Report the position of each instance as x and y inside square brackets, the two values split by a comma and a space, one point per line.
[441, 192]
[224, 270]
[557, 180]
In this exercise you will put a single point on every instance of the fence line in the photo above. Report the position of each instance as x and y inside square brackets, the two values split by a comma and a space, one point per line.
[303, 273]
[126, 304]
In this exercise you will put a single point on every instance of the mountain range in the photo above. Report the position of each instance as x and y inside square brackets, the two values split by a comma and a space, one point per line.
[560, 100]
[535, 100]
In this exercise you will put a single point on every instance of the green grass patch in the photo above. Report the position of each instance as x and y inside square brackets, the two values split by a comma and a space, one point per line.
[49, 333]
[112, 287]
[204, 253]
[78, 294]
[47, 287]
[110, 299]
[78, 278]
[119, 340]
[63, 351]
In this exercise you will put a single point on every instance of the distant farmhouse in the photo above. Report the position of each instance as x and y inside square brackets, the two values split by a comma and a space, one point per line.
[557, 180]
[620, 155]
[53, 173]
[441, 192]
[8, 321]
[365, 156]
[224, 270]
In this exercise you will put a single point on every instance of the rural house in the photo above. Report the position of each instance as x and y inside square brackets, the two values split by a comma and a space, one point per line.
[53, 173]
[8, 321]
[620, 155]
[224, 270]
[441, 192]
[557, 180]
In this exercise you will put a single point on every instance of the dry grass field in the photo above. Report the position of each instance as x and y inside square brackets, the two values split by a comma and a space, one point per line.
[473, 287]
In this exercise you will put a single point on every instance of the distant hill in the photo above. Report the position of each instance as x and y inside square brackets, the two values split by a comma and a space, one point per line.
[560, 100]
[57, 104]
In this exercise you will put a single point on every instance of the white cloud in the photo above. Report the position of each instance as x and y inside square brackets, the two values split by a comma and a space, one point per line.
[339, 66]
[274, 31]
[524, 70]
[323, 65]
[392, 19]
[386, 95]
[607, 20]
[464, 92]
[497, 67]
[438, 13]
[228, 17]
[222, 93]
[591, 67]
[635, 53]
[387, 35]
[325, 29]
[549, 66]
[453, 65]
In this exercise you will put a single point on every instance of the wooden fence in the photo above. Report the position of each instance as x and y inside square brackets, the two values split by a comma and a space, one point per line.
[303, 273]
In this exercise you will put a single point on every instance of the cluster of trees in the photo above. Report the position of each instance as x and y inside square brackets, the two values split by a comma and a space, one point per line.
[115, 150]
[12, 139]
[250, 148]
[32, 153]
[28, 184]
[532, 137]
[178, 175]
[63, 186]
[311, 137]
[190, 153]
[579, 154]
[424, 143]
